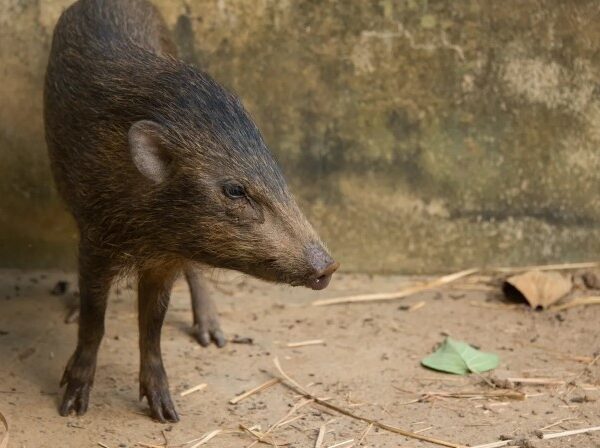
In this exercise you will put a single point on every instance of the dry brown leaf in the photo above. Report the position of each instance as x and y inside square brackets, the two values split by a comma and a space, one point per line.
[540, 289]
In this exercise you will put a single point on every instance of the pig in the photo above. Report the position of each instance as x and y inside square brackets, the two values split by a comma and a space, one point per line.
[164, 172]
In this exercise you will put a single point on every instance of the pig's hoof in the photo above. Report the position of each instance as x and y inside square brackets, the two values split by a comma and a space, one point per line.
[208, 331]
[76, 398]
[161, 405]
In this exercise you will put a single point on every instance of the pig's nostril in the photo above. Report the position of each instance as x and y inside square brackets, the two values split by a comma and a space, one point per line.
[329, 270]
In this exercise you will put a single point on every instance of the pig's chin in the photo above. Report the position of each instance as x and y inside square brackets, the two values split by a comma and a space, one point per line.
[318, 283]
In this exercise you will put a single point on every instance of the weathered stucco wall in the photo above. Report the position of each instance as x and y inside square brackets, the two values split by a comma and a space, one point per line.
[420, 136]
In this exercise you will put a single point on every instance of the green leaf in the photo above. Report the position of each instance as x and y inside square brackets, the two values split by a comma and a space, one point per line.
[460, 358]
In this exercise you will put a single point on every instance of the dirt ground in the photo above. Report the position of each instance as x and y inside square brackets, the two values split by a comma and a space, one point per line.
[369, 365]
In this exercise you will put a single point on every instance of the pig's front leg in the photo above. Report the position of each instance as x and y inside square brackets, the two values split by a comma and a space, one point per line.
[206, 327]
[95, 276]
[153, 299]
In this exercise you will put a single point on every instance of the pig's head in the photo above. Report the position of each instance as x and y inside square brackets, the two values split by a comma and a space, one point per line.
[222, 196]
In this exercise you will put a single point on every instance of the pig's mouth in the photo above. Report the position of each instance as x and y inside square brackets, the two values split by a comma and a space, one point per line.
[319, 283]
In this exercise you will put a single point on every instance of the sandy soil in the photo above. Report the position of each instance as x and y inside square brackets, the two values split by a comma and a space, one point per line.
[369, 365]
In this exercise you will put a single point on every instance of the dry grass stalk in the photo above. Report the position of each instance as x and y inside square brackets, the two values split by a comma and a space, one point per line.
[493, 394]
[578, 358]
[282, 420]
[551, 425]
[548, 267]
[398, 294]
[4, 439]
[363, 436]
[571, 432]
[208, 436]
[291, 420]
[191, 390]
[494, 444]
[103, 445]
[579, 301]
[305, 343]
[473, 287]
[292, 384]
[320, 436]
[417, 306]
[544, 436]
[257, 389]
[261, 437]
[345, 443]
[495, 306]
[537, 381]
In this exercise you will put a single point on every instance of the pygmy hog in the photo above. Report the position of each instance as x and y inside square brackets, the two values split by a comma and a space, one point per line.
[162, 169]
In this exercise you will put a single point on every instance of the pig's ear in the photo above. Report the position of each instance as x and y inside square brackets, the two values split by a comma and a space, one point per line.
[149, 151]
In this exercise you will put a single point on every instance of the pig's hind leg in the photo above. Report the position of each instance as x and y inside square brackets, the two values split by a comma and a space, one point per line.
[153, 299]
[96, 273]
[206, 327]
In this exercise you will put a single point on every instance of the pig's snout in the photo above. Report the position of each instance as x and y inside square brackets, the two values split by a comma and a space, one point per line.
[322, 267]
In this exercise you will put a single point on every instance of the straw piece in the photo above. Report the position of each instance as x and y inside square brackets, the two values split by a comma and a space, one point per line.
[579, 301]
[279, 422]
[291, 384]
[537, 381]
[4, 440]
[572, 432]
[193, 389]
[548, 267]
[253, 391]
[207, 437]
[494, 394]
[305, 343]
[103, 445]
[494, 444]
[417, 306]
[341, 444]
[321, 436]
[398, 294]
[363, 436]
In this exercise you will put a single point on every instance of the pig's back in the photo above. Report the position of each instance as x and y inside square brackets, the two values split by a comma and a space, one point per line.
[103, 52]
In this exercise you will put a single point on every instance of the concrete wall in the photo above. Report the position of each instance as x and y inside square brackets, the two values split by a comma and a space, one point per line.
[420, 136]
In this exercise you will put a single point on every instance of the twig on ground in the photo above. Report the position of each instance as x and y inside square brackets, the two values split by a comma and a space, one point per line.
[398, 294]
[191, 390]
[320, 436]
[305, 343]
[495, 444]
[417, 306]
[571, 432]
[556, 423]
[364, 434]
[493, 394]
[283, 419]
[253, 391]
[578, 301]
[292, 384]
[547, 267]
[208, 436]
[103, 445]
[345, 443]
[542, 436]
[537, 381]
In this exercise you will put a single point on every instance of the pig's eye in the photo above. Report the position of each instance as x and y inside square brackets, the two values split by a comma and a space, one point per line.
[234, 191]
